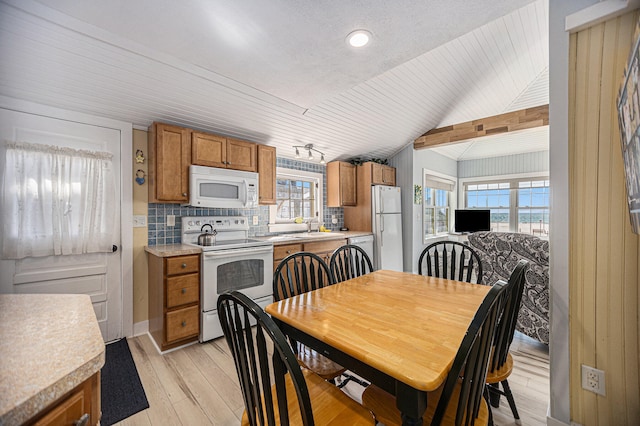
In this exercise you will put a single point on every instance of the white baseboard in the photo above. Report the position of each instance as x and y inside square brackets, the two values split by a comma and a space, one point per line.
[555, 422]
[140, 328]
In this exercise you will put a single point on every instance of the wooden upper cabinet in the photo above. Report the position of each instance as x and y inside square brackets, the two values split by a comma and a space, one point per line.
[267, 174]
[382, 174]
[241, 155]
[217, 151]
[208, 150]
[169, 160]
[341, 184]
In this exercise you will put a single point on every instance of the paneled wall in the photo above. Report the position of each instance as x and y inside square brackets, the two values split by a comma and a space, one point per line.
[530, 162]
[409, 164]
[604, 253]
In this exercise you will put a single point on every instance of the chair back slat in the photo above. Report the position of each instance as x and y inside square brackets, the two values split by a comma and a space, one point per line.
[507, 323]
[349, 261]
[299, 273]
[256, 368]
[471, 360]
[450, 260]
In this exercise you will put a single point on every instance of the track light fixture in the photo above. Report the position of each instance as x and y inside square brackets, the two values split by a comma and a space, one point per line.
[309, 147]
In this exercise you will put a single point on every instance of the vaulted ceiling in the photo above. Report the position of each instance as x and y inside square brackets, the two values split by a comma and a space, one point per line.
[280, 72]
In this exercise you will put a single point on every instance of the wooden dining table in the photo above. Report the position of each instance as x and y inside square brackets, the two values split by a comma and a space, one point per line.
[401, 331]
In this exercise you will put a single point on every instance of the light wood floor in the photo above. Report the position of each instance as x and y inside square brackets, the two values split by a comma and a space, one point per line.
[197, 385]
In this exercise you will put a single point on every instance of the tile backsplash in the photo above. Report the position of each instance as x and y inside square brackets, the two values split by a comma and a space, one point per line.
[160, 233]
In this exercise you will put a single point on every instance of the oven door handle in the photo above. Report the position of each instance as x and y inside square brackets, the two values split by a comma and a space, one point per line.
[223, 253]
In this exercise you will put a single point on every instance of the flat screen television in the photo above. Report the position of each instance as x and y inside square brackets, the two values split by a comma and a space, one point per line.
[472, 220]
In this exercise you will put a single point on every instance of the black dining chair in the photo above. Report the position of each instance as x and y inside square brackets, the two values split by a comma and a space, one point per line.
[501, 362]
[275, 389]
[349, 261]
[451, 260]
[300, 273]
[459, 401]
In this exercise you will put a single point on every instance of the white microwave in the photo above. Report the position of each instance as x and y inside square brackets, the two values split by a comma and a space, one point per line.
[224, 188]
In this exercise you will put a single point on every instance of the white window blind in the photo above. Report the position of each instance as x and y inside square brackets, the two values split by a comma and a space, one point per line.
[56, 201]
[438, 183]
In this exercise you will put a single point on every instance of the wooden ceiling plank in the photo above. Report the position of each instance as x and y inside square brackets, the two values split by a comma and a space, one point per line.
[509, 122]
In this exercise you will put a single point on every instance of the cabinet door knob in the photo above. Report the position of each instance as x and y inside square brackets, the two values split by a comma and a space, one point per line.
[288, 251]
[228, 163]
[184, 323]
[82, 421]
[184, 265]
[184, 290]
[184, 194]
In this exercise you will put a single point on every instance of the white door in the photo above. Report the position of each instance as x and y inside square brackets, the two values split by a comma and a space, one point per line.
[96, 274]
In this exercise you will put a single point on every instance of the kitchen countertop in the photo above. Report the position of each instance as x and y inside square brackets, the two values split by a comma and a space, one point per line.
[301, 237]
[49, 344]
[168, 250]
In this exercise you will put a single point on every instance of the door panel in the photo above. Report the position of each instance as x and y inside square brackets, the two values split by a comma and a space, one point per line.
[96, 274]
[389, 241]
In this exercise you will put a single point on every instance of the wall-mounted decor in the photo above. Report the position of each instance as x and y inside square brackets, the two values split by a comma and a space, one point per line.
[417, 194]
[139, 156]
[629, 120]
[140, 177]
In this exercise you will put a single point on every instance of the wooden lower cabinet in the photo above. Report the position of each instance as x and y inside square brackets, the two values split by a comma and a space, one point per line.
[324, 249]
[282, 251]
[174, 300]
[81, 406]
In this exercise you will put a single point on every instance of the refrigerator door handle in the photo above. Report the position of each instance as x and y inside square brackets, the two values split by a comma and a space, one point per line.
[381, 230]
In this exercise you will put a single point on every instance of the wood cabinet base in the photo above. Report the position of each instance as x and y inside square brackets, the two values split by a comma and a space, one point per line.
[174, 300]
[81, 406]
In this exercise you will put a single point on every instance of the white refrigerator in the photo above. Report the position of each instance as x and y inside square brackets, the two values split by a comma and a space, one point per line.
[387, 227]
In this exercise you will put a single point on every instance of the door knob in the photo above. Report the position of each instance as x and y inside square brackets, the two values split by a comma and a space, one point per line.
[114, 248]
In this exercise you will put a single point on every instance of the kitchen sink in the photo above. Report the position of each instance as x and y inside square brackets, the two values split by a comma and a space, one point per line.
[304, 235]
[318, 234]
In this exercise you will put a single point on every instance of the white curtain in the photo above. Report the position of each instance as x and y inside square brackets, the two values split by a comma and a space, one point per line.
[56, 201]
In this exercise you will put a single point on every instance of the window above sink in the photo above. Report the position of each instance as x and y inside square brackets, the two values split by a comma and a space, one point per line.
[298, 194]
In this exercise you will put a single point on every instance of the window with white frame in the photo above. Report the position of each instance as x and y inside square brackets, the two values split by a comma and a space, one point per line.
[438, 194]
[298, 196]
[516, 205]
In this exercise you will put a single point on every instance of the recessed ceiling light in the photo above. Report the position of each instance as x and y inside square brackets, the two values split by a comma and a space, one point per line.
[358, 38]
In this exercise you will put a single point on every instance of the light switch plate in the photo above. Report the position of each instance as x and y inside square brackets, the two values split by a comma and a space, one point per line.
[139, 221]
[171, 220]
[255, 220]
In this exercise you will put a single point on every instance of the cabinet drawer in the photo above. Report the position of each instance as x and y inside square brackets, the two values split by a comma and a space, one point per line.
[183, 289]
[183, 323]
[324, 246]
[183, 264]
[280, 252]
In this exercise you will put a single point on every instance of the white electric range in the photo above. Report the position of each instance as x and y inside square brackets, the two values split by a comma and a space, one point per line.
[234, 262]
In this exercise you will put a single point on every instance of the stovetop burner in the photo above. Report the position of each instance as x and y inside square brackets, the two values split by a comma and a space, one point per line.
[232, 232]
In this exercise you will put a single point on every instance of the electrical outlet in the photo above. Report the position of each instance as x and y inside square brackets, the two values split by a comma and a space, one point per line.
[593, 380]
[139, 221]
[171, 220]
[334, 219]
[255, 220]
